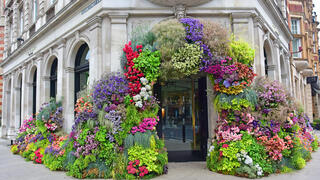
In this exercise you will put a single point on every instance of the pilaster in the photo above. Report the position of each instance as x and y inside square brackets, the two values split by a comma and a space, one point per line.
[118, 38]
[95, 63]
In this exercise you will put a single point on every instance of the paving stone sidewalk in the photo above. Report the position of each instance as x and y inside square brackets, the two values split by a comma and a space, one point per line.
[14, 167]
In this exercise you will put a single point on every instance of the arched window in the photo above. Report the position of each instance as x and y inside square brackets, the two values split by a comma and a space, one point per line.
[53, 78]
[265, 62]
[34, 93]
[81, 68]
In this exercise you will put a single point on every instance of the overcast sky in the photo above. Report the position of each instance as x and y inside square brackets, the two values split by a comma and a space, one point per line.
[317, 7]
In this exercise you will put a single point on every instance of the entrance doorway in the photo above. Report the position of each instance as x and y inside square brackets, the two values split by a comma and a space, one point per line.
[183, 118]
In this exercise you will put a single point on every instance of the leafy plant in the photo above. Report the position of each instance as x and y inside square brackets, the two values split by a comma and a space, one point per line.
[149, 63]
[241, 51]
[187, 59]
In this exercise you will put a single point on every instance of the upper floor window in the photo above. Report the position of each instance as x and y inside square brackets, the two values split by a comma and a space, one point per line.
[35, 10]
[296, 47]
[21, 19]
[313, 37]
[295, 26]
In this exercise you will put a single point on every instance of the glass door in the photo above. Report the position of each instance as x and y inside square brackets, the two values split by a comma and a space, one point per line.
[181, 119]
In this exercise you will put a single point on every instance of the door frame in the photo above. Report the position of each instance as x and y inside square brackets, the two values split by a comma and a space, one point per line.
[189, 155]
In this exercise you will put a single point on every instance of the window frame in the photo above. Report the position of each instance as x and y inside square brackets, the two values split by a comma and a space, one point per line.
[295, 25]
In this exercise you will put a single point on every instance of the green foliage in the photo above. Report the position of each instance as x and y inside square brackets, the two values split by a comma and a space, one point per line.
[119, 167]
[52, 162]
[142, 139]
[229, 161]
[286, 169]
[256, 151]
[149, 63]
[187, 59]
[79, 165]
[147, 157]
[248, 98]
[107, 152]
[315, 144]
[241, 51]
[247, 170]
[47, 110]
[98, 169]
[133, 118]
[298, 162]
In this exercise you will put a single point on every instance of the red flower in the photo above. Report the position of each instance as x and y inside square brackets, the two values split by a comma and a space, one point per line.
[225, 146]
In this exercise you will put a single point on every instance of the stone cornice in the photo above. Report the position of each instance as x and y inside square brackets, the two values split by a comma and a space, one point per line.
[118, 17]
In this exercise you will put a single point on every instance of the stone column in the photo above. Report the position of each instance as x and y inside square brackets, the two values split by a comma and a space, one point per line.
[212, 112]
[259, 40]
[24, 94]
[46, 88]
[276, 54]
[68, 103]
[40, 89]
[243, 27]
[28, 104]
[4, 119]
[61, 88]
[289, 84]
[118, 38]
[95, 62]
[11, 112]
[272, 72]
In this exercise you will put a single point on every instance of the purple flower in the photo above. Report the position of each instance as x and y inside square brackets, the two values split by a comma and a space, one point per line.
[226, 83]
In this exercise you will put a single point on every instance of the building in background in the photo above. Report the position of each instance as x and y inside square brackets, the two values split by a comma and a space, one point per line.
[305, 58]
[2, 26]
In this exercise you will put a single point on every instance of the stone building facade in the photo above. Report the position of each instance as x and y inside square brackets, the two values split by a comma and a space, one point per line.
[304, 49]
[2, 26]
[50, 44]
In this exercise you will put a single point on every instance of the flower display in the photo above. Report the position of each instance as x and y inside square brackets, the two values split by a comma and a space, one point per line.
[28, 124]
[110, 90]
[259, 131]
[134, 169]
[146, 124]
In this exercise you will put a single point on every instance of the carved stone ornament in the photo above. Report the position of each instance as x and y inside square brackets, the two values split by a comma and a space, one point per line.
[177, 2]
[180, 11]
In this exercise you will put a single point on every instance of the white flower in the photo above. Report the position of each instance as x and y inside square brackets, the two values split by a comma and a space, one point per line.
[248, 161]
[150, 92]
[148, 87]
[143, 89]
[136, 97]
[139, 104]
[239, 159]
[259, 173]
[144, 81]
[143, 94]
[211, 148]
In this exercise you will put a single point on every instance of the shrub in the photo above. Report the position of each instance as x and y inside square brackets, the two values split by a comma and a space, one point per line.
[240, 51]
[187, 59]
